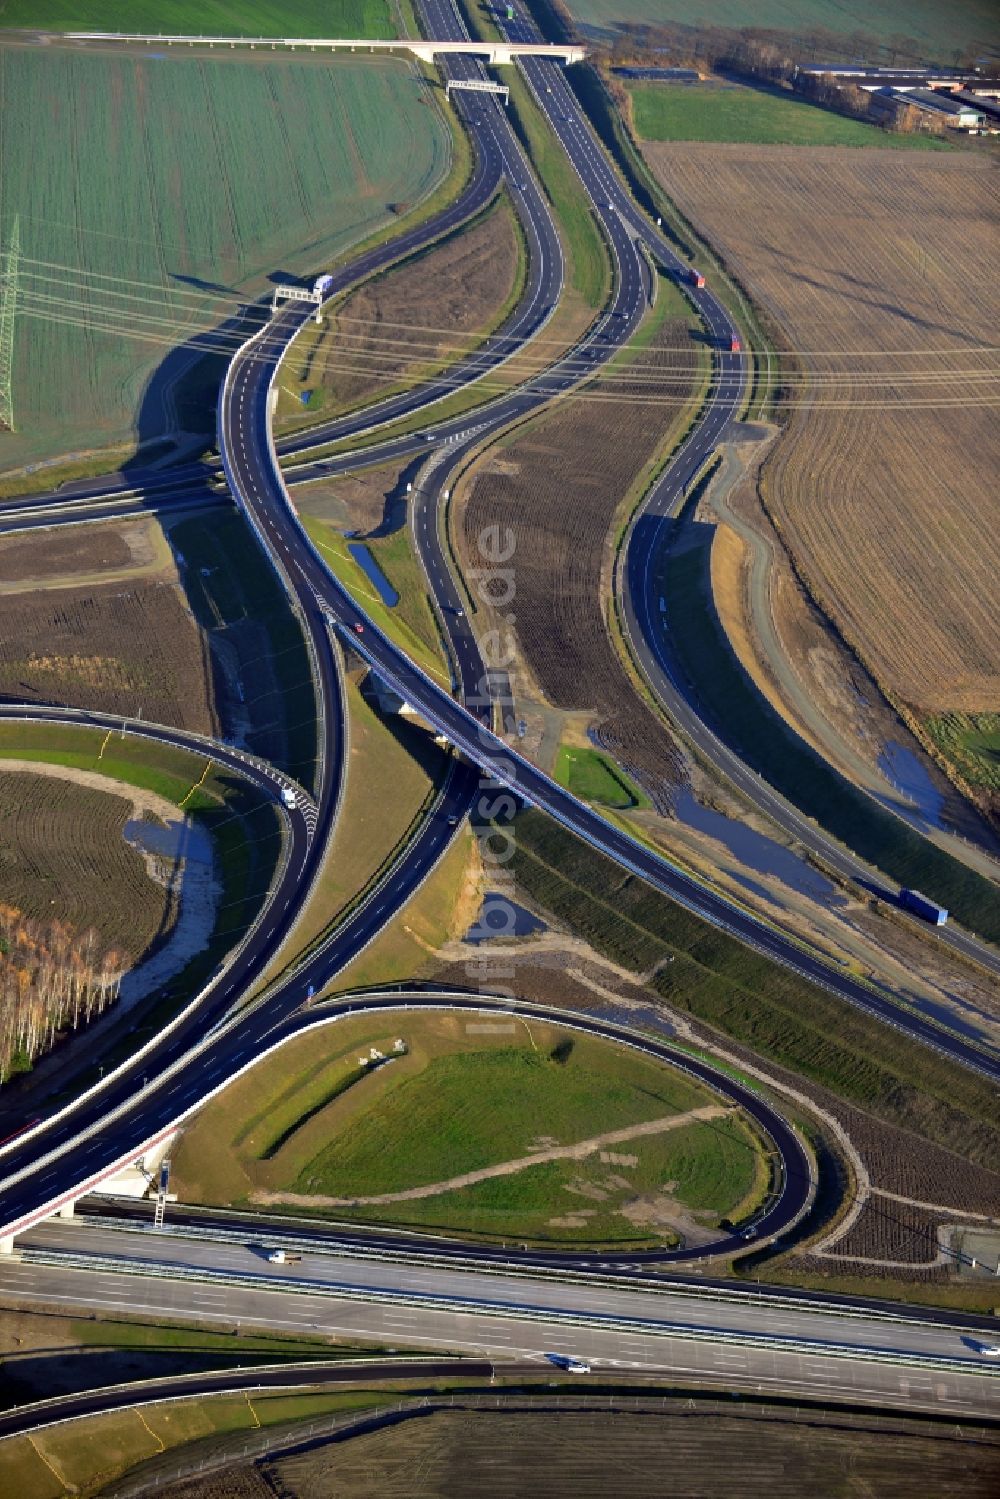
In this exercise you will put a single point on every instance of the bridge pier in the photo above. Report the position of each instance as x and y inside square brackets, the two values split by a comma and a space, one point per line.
[7, 1244]
[68, 1209]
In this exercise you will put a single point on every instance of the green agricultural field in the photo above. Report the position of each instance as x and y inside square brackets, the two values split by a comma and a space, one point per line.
[465, 1097]
[904, 28]
[157, 193]
[348, 18]
[730, 112]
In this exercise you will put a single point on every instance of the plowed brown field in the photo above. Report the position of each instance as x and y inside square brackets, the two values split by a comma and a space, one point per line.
[878, 268]
[558, 488]
[130, 650]
[62, 855]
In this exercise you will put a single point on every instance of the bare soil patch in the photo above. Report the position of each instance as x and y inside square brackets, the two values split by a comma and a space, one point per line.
[670, 1447]
[558, 487]
[68, 554]
[661, 1210]
[893, 1232]
[121, 650]
[366, 501]
[877, 269]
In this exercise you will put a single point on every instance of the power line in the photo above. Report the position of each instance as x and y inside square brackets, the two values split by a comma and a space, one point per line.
[631, 378]
[436, 332]
[8, 307]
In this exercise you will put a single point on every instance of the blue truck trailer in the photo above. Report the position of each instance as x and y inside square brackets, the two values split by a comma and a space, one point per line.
[919, 905]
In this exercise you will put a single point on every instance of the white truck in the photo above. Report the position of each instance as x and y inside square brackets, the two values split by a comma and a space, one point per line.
[288, 797]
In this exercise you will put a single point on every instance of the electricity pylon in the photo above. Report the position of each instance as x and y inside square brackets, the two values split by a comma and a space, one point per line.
[8, 303]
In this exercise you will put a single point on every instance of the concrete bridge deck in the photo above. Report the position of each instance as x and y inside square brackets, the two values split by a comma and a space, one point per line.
[496, 52]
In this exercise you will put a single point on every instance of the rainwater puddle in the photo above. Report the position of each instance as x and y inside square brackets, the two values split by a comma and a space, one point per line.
[912, 780]
[756, 851]
[500, 917]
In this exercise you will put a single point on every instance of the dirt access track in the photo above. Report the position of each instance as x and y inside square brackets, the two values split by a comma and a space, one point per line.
[577, 1152]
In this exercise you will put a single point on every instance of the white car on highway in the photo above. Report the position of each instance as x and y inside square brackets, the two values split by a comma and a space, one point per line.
[571, 1365]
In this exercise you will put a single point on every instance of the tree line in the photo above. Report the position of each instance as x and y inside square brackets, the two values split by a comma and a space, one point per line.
[52, 979]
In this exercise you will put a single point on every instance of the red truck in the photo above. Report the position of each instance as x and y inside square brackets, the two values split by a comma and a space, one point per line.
[735, 347]
[697, 279]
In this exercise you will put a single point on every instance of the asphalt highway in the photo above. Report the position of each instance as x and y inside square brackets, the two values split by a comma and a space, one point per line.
[317, 1374]
[760, 1347]
[112, 1126]
[274, 921]
[246, 445]
[72, 1151]
[66, 1154]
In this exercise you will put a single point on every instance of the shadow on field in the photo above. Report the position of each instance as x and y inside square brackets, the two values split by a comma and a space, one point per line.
[212, 287]
[395, 503]
[181, 395]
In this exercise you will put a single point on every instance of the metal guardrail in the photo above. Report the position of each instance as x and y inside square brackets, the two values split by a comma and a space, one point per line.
[736, 1294]
[505, 1310]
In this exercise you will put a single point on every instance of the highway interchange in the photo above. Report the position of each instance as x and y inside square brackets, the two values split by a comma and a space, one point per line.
[72, 1152]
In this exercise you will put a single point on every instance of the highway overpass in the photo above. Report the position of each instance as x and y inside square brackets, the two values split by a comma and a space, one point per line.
[498, 53]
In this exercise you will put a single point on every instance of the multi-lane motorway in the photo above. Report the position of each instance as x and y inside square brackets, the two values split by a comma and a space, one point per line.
[67, 1154]
[729, 1341]
[255, 479]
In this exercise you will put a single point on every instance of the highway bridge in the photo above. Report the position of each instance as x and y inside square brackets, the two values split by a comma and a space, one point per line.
[497, 53]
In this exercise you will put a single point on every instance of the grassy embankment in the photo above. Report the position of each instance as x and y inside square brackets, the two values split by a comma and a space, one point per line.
[971, 743]
[958, 1296]
[83, 1457]
[736, 112]
[410, 622]
[443, 908]
[243, 826]
[594, 777]
[741, 994]
[760, 736]
[392, 774]
[310, 1121]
